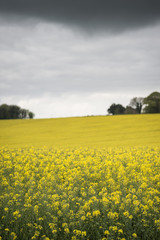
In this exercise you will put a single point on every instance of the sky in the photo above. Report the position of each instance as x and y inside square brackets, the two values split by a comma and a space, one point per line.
[67, 58]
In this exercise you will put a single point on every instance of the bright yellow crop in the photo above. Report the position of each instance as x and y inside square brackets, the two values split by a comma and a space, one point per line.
[80, 178]
[80, 193]
[104, 131]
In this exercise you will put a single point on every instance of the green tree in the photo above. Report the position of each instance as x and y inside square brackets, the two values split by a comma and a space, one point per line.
[4, 112]
[152, 103]
[31, 115]
[24, 113]
[137, 103]
[14, 111]
[116, 109]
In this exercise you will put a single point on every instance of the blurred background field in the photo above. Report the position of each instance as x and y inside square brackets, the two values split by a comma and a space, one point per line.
[97, 131]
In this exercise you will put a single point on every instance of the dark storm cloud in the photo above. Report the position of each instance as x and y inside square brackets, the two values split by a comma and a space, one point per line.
[89, 14]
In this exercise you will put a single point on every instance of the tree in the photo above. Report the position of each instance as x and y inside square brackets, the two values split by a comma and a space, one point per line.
[116, 109]
[4, 111]
[31, 115]
[24, 113]
[152, 103]
[14, 112]
[137, 103]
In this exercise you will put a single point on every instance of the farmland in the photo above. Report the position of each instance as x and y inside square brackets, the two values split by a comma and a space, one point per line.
[100, 131]
[80, 178]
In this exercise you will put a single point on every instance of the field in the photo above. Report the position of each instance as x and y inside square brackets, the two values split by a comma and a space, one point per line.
[103, 131]
[80, 178]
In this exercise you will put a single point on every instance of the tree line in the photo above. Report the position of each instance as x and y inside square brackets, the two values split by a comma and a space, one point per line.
[14, 112]
[138, 105]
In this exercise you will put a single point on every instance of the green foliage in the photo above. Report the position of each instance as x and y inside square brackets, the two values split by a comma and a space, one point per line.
[152, 103]
[31, 115]
[116, 109]
[14, 112]
[137, 103]
[4, 112]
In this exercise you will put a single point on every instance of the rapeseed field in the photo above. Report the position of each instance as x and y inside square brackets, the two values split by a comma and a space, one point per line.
[64, 179]
[100, 131]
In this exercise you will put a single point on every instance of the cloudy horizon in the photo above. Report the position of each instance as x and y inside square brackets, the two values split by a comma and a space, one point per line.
[75, 58]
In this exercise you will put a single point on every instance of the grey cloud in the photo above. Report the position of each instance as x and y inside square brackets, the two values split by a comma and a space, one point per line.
[45, 60]
[88, 14]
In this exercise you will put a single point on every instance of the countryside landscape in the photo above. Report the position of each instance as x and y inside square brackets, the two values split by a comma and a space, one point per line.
[79, 120]
[80, 178]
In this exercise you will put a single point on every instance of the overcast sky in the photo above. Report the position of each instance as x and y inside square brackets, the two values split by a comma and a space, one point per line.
[76, 57]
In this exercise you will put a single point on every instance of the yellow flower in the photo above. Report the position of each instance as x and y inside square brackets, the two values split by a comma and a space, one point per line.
[96, 213]
[88, 214]
[83, 218]
[134, 235]
[106, 232]
[16, 214]
[83, 233]
[13, 234]
[157, 222]
[66, 230]
[114, 228]
[77, 232]
[126, 214]
[74, 238]
[120, 231]
[36, 209]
